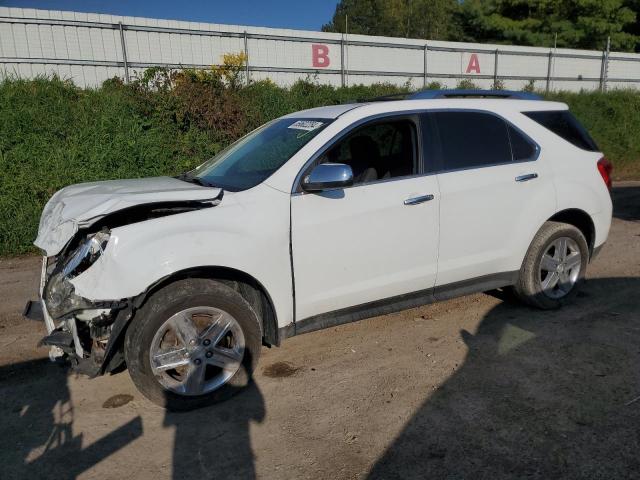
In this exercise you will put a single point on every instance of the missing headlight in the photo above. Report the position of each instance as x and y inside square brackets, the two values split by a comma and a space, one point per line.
[86, 254]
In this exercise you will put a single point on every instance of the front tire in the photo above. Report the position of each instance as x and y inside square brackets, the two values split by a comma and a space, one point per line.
[554, 266]
[193, 343]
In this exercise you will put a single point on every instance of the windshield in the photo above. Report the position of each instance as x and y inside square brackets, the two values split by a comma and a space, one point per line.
[253, 158]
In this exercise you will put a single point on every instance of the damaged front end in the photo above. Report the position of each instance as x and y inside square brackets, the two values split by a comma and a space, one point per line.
[87, 331]
[78, 328]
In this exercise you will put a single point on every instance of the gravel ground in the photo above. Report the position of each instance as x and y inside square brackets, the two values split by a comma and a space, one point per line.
[476, 387]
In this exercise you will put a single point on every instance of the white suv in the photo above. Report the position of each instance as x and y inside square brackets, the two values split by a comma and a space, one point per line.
[315, 219]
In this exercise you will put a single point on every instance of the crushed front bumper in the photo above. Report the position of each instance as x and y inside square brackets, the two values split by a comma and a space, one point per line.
[82, 335]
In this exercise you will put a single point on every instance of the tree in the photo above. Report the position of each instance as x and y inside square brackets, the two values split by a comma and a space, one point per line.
[577, 23]
[634, 28]
[428, 19]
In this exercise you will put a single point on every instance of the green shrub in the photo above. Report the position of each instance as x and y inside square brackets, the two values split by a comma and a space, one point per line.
[497, 84]
[466, 84]
[53, 133]
[530, 86]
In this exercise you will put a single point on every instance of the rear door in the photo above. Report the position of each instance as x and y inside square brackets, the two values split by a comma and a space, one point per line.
[492, 184]
[372, 241]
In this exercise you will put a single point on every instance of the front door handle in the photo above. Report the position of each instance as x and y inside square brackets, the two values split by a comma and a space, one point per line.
[417, 200]
[527, 177]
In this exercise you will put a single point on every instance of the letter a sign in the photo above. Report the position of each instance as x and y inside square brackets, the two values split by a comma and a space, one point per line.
[320, 55]
[474, 64]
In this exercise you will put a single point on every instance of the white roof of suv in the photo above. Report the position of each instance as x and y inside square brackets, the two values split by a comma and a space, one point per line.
[334, 111]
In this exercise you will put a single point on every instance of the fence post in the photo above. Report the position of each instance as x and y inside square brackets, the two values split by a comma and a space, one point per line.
[495, 68]
[604, 69]
[425, 70]
[124, 53]
[549, 71]
[342, 60]
[246, 57]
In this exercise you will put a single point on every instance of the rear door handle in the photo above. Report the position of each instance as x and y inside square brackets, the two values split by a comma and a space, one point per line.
[527, 177]
[417, 200]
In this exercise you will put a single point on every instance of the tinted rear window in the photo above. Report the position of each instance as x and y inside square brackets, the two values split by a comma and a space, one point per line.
[565, 125]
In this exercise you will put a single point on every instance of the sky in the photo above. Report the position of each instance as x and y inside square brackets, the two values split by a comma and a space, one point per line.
[304, 15]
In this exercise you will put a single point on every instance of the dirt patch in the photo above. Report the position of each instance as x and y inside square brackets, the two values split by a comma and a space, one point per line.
[117, 401]
[279, 370]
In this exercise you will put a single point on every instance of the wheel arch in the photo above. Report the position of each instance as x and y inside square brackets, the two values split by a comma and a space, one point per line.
[581, 220]
[249, 287]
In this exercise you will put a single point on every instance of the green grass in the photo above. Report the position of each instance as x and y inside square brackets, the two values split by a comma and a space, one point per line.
[53, 134]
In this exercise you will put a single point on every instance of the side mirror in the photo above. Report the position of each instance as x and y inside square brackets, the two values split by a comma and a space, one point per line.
[328, 176]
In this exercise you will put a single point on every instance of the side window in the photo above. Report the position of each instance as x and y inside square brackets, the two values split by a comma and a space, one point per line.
[377, 151]
[521, 147]
[472, 139]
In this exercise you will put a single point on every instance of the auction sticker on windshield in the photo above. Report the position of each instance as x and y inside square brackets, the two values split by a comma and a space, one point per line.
[307, 125]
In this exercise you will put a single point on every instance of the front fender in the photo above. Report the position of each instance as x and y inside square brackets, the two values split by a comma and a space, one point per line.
[248, 231]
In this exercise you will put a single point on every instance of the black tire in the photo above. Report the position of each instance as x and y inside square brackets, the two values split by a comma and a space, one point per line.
[170, 300]
[528, 287]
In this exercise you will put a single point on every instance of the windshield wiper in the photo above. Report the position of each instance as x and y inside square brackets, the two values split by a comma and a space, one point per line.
[198, 181]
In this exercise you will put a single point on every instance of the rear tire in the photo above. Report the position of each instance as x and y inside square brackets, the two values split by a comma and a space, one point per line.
[193, 343]
[554, 266]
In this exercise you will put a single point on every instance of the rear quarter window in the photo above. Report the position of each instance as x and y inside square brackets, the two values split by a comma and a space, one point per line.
[565, 125]
[521, 147]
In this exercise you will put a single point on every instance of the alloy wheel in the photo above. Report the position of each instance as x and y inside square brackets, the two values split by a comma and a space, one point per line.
[560, 267]
[197, 350]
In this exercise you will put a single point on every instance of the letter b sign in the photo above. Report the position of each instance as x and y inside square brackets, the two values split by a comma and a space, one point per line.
[320, 55]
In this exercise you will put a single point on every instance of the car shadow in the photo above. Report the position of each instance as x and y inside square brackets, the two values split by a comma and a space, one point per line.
[214, 442]
[626, 202]
[541, 394]
[37, 438]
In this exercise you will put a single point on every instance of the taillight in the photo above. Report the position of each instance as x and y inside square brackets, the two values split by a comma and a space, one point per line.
[605, 167]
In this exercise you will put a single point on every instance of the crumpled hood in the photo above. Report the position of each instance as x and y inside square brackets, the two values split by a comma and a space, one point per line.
[85, 203]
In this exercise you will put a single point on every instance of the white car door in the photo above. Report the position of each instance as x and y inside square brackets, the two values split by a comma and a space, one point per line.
[495, 191]
[375, 240]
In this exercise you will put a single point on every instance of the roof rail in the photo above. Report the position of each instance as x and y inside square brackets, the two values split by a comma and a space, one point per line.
[462, 93]
[386, 98]
[453, 93]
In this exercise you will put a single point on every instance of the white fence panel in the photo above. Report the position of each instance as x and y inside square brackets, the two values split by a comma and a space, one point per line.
[90, 48]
